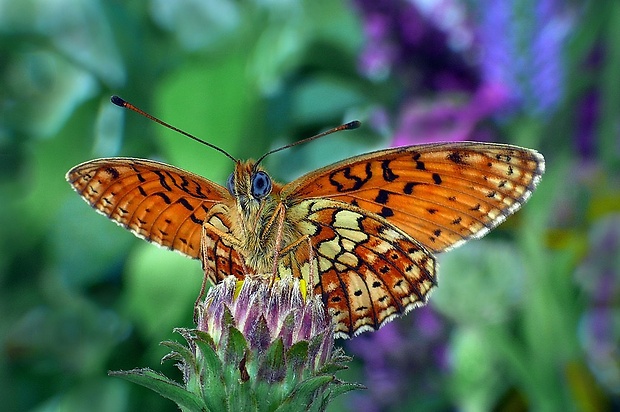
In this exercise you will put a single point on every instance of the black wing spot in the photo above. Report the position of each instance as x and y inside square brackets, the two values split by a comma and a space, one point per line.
[388, 174]
[382, 196]
[165, 198]
[437, 232]
[358, 292]
[408, 189]
[456, 157]
[384, 270]
[436, 178]
[476, 207]
[418, 165]
[141, 190]
[492, 193]
[452, 198]
[112, 172]
[386, 212]
[457, 221]
[336, 299]
[431, 211]
[357, 182]
[376, 284]
[195, 219]
[185, 204]
[162, 180]
[507, 158]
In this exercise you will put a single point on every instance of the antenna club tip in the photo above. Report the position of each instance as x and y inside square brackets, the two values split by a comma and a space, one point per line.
[118, 101]
[353, 125]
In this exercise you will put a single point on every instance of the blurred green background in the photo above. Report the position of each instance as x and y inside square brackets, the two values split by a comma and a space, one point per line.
[526, 319]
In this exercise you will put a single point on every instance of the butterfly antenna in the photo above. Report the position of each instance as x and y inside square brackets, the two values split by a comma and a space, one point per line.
[347, 126]
[122, 103]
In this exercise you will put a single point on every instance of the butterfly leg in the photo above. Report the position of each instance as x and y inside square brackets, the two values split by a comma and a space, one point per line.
[310, 259]
[279, 230]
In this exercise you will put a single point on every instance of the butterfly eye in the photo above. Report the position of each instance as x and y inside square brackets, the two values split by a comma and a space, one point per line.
[230, 184]
[261, 185]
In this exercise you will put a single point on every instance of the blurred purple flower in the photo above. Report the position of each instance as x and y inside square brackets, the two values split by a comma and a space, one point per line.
[418, 44]
[599, 277]
[586, 129]
[521, 46]
[511, 61]
[448, 119]
[588, 110]
[403, 361]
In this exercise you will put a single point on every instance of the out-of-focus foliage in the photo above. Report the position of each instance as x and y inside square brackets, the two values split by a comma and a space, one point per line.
[528, 318]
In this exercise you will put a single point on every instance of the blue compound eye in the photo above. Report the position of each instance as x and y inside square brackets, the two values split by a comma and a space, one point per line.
[230, 184]
[261, 185]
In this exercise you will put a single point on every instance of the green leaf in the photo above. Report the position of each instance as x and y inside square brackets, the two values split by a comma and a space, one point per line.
[236, 346]
[273, 366]
[337, 363]
[304, 394]
[211, 374]
[179, 352]
[203, 337]
[339, 388]
[297, 355]
[167, 388]
[270, 385]
[242, 396]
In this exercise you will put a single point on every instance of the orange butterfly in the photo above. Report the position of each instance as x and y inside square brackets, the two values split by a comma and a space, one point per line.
[362, 232]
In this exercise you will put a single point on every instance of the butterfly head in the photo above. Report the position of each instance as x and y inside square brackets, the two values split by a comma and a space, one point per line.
[249, 184]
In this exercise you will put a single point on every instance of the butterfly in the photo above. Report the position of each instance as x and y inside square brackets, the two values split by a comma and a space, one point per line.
[363, 232]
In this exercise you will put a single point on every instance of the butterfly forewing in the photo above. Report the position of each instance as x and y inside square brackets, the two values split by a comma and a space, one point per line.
[440, 194]
[155, 201]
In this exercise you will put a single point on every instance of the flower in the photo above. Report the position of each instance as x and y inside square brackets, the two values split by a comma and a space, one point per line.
[405, 362]
[459, 63]
[258, 347]
[521, 46]
[599, 278]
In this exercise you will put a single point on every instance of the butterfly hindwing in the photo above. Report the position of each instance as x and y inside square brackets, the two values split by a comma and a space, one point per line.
[157, 202]
[440, 194]
[219, 257]
[367, 270]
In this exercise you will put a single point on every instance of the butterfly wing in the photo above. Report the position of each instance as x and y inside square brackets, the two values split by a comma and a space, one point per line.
[219, 258]
[367, 270]
[440, 194]
[156, 202]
